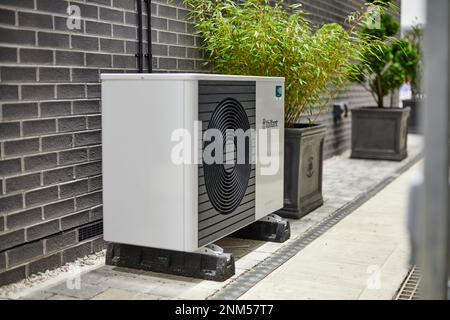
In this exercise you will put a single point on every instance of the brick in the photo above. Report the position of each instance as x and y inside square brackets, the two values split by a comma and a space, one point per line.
[40, 162]
[18, 74]
[74, 188]
[98, 28]
[9, 130]
[33, 20]
[160, 49]
[194, 53]
[97, 213]
[7, 17]
[177, 51]
[25, 182]
[20, 147]
[71, 124]
[111, 15]
[22, 3]
[61, 25]
[167, 63]
[88, 138]
[52, 6]
[79, 251]
[72, 156]
[86, 107]
[159, 23]
[124, 4]
[75, 220]
[61, 241]
[84, 43]
[95, 183]
[166, 11]
[113, 46]
[42, 230]
[55, 108]
[167, 37]
[71, 58]
[38, 92]
[87, 170]
[88, 11]
[11, 203]
[177, 26]
[24, 218]
[36, 56]
[124, 32]
[98, 60]
[85, 75]
[8, 54]
[124, 61]
[70, 91]
[59, 209]
[185, 64]
[94, 91]
[48, 263]
[9, 167]
[13, 275]
[38, 127]
[11, 239]
[2, 261]
[94, 122]
[9, 92]
[41, 196]
[59, 142]
[98, 244]
[19, 111]
[54, 40]
[95, 153]
[54, 74]
[25, 253]
[130, 18]
[58, 175]
[14, 36]
[89, 200]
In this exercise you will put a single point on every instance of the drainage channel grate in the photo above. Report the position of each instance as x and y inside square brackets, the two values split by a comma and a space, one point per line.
[410, 289]
[249, 279]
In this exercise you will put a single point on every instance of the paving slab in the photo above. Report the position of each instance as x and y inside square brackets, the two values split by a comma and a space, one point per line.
[344, 181]
[364, 256]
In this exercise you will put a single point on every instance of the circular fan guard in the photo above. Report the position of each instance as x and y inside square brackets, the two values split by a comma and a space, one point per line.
[226, 185]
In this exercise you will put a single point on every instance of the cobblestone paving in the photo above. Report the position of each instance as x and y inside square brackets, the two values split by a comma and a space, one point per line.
[344, 180]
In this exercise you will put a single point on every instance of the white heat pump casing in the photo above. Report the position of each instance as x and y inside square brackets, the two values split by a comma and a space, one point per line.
[148, 200]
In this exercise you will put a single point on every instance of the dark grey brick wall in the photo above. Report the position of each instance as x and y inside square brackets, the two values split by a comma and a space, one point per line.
[50, 115]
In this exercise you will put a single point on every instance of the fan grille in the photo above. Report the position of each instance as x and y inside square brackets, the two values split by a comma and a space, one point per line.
[226, 185]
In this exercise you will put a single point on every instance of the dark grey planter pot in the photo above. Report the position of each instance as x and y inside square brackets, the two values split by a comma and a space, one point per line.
[414, 120]
[380, 133]
[303, 167]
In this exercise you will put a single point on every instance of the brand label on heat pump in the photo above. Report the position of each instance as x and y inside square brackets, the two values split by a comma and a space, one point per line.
[278, 91]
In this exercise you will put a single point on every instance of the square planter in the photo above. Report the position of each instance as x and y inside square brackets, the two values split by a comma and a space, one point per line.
[380, 133]
[414, 120]
[303, 169]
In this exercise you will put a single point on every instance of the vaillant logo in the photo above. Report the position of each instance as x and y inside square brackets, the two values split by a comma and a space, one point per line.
[267, 124]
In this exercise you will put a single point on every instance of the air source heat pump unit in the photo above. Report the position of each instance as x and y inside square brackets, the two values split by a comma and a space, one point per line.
[150, 200]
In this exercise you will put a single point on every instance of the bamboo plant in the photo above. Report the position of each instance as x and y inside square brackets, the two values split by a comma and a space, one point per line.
[271, 38]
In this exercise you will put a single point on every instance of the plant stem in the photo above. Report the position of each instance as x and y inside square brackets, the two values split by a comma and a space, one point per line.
[379, 91]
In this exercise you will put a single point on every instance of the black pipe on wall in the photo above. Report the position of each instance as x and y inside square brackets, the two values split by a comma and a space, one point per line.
[149, 36]
[139, 54]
